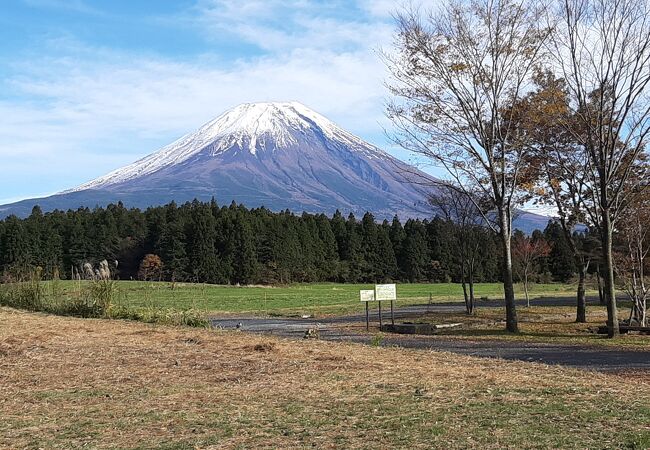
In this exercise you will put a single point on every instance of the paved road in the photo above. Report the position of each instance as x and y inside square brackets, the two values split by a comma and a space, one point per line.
[331, 329]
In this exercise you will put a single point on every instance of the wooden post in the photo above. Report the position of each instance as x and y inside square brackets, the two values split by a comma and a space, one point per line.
[392, 314]
[380, 323]
[367, 317]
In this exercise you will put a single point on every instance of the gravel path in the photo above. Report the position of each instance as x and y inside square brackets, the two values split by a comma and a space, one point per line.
[332, 329]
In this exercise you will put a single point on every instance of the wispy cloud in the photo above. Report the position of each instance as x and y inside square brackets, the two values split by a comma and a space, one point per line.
[381, 8]
[280, 25]
[85, 109]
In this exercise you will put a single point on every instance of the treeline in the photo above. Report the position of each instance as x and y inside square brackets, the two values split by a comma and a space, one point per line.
[203, 242]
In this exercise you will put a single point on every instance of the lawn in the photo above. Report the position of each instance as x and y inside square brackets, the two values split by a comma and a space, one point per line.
[315, 299]
[72, 383]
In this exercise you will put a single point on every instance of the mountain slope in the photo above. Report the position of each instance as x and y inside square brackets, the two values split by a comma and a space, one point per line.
[278, 155]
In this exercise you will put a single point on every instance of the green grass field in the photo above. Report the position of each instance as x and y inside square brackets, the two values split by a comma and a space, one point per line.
[316, 299]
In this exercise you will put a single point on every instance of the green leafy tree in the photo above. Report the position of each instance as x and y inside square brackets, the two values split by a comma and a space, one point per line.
[386, 260]
[245, 259]
[201, 241]
[561, 261]
[416, 251]
[171, 246]
[15, 244]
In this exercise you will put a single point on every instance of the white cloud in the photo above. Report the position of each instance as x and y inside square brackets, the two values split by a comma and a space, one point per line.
[276, 25]
[93, 109]
[381, 8]
[153, 96]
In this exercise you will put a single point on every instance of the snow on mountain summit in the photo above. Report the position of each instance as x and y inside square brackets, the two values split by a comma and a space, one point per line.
[252, 127]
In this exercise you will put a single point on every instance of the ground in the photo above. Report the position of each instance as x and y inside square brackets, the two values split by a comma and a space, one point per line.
[68, 382]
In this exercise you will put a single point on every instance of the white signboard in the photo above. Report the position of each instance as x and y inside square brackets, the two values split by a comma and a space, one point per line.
[385, 292]
[367, 295]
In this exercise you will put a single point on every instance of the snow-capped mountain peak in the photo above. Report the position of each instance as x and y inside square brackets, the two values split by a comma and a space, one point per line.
[282, 156]
[252, 120]
[250, 127]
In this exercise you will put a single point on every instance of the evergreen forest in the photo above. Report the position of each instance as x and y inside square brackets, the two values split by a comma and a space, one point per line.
[203, 242]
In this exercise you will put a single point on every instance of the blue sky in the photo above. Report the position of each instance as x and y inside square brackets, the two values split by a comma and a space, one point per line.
[88, 86]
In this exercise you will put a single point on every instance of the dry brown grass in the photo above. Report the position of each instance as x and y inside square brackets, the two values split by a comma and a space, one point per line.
[544, 324]
[108, 384]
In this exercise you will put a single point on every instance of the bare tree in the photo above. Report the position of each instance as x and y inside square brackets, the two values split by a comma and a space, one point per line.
[456, 76]
[631, 260]
[551, 125]
[603, 53]
[460, 209]
[527, 251]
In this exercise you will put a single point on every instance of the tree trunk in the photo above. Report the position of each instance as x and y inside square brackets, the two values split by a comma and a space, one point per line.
[471, 289]
[608, 277]
[463, 282]
[581, 302]
[508, 285]
[643, 311]
[466, 296]
[601, 294]
[526, 289]
[581, 310]
[642, 304]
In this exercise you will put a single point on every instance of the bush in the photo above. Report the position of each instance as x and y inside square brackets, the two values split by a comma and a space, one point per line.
[99, 296]
[29, 294]
[150, 268]
[93, 300]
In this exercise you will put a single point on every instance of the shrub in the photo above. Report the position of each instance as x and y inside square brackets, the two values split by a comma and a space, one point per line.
[100, 295]
[150, 268]
[29, 294]
[377, 340]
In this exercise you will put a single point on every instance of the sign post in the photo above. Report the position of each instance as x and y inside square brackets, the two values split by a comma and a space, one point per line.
[382, 292]
[367, 296]
[386, 292]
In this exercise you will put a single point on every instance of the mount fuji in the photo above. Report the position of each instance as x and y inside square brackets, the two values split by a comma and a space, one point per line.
[277, 155]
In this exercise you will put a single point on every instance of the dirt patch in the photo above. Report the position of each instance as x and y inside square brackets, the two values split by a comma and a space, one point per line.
[192, 340]
[263, 347]
[12, 347]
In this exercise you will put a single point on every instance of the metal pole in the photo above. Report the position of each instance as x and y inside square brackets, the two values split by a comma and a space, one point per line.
[392, 315]
[367, 318]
